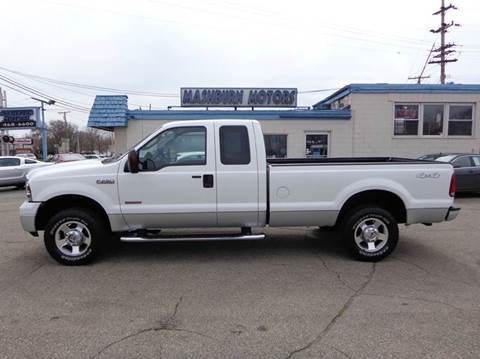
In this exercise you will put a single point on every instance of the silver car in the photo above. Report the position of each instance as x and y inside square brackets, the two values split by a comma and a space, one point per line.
[14, 169]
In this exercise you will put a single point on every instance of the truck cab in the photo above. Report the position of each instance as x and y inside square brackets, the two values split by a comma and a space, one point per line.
[196, 175]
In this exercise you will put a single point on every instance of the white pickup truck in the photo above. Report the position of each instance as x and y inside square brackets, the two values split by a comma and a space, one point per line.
[214, 173]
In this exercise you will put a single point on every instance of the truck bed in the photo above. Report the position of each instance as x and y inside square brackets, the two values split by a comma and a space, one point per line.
[346, 161]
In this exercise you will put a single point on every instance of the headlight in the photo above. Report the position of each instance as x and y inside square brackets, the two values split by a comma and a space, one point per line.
[28, 192]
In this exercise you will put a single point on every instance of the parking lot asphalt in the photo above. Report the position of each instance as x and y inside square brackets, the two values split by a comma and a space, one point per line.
[294, 295]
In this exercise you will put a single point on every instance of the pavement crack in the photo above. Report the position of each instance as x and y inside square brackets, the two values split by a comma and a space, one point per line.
[115, 342]
[30, 273]
[166, 326]
[341, 352]
[337, 316]
[334, 272]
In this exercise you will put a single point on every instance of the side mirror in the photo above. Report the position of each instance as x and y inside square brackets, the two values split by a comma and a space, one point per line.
[133, 161]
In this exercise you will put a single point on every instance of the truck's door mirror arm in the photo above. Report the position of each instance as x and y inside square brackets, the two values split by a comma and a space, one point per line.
[133, 161]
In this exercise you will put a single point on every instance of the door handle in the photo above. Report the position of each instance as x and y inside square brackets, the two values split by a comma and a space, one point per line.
[208, 181]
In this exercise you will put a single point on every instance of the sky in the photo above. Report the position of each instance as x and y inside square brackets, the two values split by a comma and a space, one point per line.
[161, 45]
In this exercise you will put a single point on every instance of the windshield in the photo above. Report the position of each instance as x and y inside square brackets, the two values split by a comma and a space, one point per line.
[72, 157]
[446, 158]
[119, 155]
[430, 157]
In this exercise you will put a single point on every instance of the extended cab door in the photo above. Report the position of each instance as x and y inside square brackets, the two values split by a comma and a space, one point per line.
[237, 174]
[176, 184]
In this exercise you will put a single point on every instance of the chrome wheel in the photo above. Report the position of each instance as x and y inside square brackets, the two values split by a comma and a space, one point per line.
[73, 238]
[371, 234]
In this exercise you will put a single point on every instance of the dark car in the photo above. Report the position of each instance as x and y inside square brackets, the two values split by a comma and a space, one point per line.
[466, 166]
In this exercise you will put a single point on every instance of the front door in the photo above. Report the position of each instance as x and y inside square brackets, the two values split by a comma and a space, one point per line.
[176, 184]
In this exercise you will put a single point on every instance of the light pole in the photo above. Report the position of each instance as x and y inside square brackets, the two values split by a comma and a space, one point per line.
[44, 128]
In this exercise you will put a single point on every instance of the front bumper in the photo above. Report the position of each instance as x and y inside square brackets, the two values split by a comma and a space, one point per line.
[452, 213]
[28, 211]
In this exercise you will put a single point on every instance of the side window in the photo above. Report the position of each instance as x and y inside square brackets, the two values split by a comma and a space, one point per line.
[476, 160]
[180, 146]
[30, 162]
[234, 145]
[9, 162]
[462, 162]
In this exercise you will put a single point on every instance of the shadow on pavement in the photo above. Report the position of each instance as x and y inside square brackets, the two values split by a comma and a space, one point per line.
[300, 244]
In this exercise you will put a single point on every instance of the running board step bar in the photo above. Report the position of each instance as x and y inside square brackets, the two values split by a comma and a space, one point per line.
[193, 238]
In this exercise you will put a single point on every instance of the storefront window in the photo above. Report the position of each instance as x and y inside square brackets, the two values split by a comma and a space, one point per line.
[316, 145]
[432, 120]
[276, 146]
[406, 120]
[460, 120]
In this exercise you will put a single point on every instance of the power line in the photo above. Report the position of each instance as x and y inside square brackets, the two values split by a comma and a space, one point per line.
[420, 77]
[445, 49]
[26, 90]
[90, 87]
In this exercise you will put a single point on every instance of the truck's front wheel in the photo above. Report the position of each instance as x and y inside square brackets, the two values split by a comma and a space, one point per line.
[72, 236]
[371, 233]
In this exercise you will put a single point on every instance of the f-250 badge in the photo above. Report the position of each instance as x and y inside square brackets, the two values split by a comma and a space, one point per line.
[424, 175]
[106, 181]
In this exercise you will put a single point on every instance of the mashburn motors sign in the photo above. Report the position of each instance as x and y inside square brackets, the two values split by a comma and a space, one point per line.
[238, 97]
[19, 117]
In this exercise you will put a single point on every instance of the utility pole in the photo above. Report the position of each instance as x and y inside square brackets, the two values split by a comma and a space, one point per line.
[3, 103]
[420, 77]
[445, 49]
[44, 127]
[64, 116]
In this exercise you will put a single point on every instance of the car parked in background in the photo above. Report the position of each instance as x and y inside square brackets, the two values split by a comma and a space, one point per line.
[67, 157]
[26, 155]
[14, 169]
[93, 157]
[466, 167]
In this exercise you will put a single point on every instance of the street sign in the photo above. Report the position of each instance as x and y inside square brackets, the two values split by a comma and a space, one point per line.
[23, 150]
[23, 141]
[19, 117]
[238, 97]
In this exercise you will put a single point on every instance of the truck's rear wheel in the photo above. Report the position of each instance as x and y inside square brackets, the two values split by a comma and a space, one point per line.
[370, 233]
[72, 236]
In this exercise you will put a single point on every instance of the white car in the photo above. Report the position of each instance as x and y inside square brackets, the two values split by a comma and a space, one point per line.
[14, 169]
[215, 173]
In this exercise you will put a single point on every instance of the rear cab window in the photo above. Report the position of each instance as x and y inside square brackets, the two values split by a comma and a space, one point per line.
[234, 145]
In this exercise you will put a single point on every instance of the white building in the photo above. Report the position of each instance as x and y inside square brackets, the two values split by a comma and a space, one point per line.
[405, 120]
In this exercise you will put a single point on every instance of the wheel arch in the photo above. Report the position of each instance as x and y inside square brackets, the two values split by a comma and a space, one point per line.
[61, 202]
[384, 199]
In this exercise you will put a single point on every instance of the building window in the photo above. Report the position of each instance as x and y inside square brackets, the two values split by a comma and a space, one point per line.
[460, 120]
[276, 146]
[406, 120]
[433, 120]
[316, 145]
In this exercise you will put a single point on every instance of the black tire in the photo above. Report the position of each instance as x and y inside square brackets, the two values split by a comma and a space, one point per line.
[90, 226]
[369, 217]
